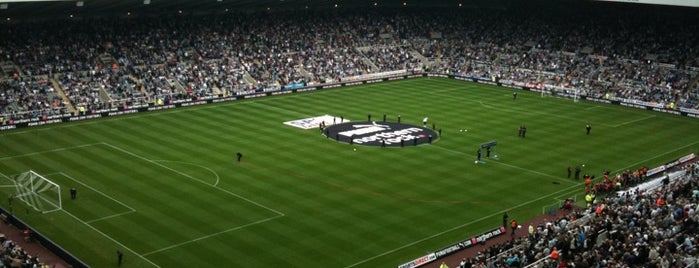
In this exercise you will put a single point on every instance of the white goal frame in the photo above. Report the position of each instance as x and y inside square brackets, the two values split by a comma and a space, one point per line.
[35, 190]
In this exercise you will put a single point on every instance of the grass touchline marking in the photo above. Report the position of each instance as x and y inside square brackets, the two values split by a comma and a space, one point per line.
[458, 227]
[130, 116]
[544, 113]
[276, 108]
[110, 238]
[654, 157]
[211, 235]
[193, 178]
[636, 164]
[50, 151]
[634, 121]
[512, 166]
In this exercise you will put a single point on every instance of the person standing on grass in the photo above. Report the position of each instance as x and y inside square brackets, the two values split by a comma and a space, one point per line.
[588, 128]
[239, 156]
[521, 128]
[504, 220]
[73, 193]
[120, 257]
[577, 172]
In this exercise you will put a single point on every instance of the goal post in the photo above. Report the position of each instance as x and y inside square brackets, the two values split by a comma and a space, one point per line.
[38, 192]
[573, 93]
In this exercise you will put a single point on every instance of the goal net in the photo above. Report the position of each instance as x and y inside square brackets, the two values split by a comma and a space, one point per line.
[38, 192]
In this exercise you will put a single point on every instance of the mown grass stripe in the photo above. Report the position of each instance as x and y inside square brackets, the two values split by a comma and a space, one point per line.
[344, 207]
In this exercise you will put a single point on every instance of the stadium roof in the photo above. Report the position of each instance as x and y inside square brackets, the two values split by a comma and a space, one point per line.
[58, 8]
[55, 7]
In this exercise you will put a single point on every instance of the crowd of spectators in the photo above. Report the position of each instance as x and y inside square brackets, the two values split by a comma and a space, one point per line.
[13, 255]
[634, 227]
[103, 63]
[29, 97]
[106, 63]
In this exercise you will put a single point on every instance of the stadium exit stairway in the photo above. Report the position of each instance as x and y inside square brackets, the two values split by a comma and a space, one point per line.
[64, 98]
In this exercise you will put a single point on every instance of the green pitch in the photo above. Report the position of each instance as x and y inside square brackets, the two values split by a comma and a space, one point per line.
[165, 189]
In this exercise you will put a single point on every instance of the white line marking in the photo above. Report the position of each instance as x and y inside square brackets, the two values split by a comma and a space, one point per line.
[131, 210]
[544, 113]
[277, 108]
[640, 162]
[211, 235]
[129, 116]
[279, 214]
[457, 227]
[654, 157]
[50, 151]
[110, 216]
[634, 121]
[193, 178]
[513, 166]
[110, 238]
[486, 105]
[98, 191]
[196, 165]
[566, 191]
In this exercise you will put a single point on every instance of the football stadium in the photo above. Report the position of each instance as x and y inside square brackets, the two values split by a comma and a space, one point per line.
[336, 133]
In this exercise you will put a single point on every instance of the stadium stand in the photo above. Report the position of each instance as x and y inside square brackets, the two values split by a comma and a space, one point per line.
[159, 60]
[207, 57]
[628, 228]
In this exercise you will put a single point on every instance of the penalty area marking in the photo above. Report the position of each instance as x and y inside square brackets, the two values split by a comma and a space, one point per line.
[193, 178]
[110, 238]
[196, 165]
[131, 210]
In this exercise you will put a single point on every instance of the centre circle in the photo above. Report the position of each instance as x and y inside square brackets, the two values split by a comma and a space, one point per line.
[386, 134]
